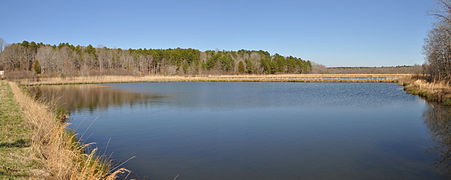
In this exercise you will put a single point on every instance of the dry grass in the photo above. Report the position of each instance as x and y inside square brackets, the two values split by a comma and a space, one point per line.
[240, 78]
[59, 151]
[433, 87]
[16, 157]
[432, 91]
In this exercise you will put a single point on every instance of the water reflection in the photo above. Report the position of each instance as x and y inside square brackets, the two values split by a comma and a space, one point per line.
[248, 95]
[223, 96]
[90, 97]
[438, 121]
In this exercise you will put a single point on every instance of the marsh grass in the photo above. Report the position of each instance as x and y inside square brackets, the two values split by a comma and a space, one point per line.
[58, 150]
[432, 91]
[219, 78]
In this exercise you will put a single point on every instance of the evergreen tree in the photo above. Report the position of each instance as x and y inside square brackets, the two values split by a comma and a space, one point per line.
[37, 67]
[241, 67]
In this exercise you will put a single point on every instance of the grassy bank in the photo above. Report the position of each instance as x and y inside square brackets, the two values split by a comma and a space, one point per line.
[220, 78]
[439, 92]
[16, 155]
[39, 146]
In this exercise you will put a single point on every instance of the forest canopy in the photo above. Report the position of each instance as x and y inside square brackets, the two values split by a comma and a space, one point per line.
[69, 60]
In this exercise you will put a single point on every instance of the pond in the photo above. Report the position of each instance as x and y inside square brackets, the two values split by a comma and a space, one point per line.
[261, 130]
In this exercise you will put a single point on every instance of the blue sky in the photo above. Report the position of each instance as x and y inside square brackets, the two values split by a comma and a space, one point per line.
[329, 32]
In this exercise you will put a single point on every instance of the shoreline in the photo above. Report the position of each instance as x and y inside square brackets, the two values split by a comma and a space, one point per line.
[357, 78]
[433, 92]
[438, 92]
[56, 150]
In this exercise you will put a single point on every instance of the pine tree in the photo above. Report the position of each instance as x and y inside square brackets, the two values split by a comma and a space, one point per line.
[37, 67]
[241, 67]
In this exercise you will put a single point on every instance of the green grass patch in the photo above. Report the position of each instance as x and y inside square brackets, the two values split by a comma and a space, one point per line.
[16, 160]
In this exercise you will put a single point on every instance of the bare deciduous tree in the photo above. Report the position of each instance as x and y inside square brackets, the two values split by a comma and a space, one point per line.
[67, 60]
[444, 10]
[437, 47]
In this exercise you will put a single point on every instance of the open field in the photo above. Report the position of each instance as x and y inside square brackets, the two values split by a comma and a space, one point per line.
[33, 135]
[237, 78]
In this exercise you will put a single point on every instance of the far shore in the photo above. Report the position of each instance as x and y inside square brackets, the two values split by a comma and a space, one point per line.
[436, 92]
[358, 78]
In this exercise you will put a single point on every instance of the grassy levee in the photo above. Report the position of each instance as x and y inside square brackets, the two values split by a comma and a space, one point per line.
[16, 157]
[50, 145]
[439, 92]
[220, 78]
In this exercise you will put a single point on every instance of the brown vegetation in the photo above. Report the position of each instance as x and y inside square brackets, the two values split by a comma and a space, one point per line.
[62, 156]
[439, 91]
[236, 78]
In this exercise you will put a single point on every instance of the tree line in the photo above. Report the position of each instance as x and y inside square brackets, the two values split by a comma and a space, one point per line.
[69, 60]
[437, 47]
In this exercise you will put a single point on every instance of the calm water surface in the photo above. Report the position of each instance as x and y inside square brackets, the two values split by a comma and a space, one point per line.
[247, 130]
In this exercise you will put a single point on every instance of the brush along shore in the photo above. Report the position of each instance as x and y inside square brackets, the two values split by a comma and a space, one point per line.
[35, 144]
[439, 92]
[219, 78]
